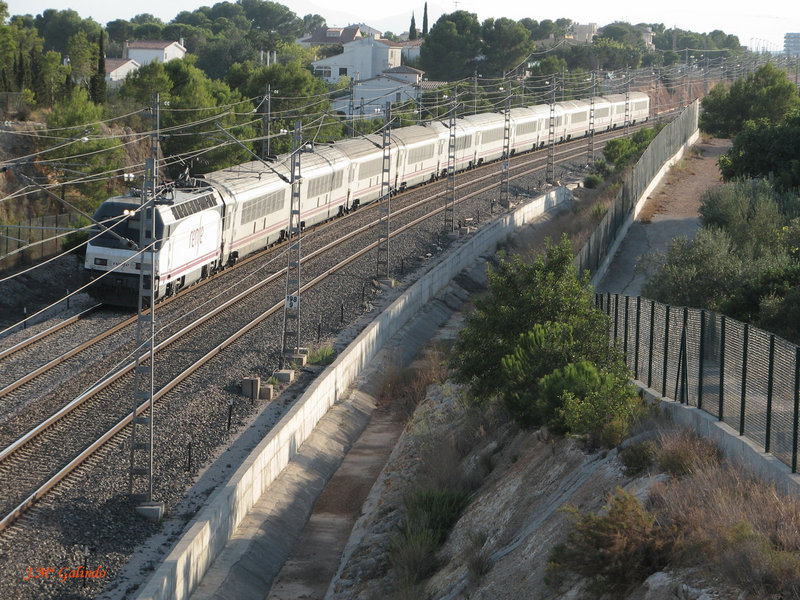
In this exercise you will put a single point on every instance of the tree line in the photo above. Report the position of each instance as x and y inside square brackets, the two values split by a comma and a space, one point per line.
[745, 260]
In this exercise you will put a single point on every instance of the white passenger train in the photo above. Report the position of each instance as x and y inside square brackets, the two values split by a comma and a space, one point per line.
[206, 223]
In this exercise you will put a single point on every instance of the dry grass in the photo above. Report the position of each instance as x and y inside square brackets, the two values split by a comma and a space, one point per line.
[708, 515]
[405, 388]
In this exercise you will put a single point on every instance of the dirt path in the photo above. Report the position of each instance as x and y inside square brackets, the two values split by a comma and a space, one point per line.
[671, 211]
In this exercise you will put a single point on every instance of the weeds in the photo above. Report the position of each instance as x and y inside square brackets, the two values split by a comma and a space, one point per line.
[708, 515]
[478, 562]
[323, 355]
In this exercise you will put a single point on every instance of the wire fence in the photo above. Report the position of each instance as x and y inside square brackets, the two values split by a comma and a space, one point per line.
[668, 141]
[39, 236]
[744, 376]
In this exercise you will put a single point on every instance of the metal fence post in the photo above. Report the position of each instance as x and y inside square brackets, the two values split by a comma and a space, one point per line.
[666, 353]
[625, 331]
[744, 377]
[616, 317]
[702, 357]
[721, 364]
[769, 392]
[652, 333]
[796, 407]
[608, 304]
[636, 348]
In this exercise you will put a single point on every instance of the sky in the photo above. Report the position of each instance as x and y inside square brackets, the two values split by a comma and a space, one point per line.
[759, 25]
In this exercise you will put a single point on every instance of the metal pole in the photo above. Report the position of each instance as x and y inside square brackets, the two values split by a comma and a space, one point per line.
[721, 365]
[636, 347]
[652, 333]
[701, 366]
[666, 353]
[744, 378]
[796, 407]
[769, 392]
[616, 317]
[625, 331]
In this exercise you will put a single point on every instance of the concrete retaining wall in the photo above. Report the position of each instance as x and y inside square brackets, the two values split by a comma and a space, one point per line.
[597, 277]
[214, 525]
[738, 449]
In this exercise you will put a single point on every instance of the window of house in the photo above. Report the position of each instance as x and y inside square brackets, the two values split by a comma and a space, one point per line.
[342, 71]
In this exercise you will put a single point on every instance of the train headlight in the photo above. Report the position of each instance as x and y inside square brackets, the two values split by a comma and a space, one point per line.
[102, 262]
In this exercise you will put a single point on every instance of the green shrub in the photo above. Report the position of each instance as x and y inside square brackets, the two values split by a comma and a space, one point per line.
[637, 458]
[77, 238]
[323, 355]
[438, 510]
[599, 211]
[592, 181]
[412, 552]
[580, 398]
[615, 551]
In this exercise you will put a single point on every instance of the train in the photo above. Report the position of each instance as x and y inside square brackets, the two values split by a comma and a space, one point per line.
[206, 223]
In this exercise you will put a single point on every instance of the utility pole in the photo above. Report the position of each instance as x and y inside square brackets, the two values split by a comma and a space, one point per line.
[475, 93]
[550, 174]
[590, 148]
[140, 479]
[291, 308]
[506, 166]
[627, 104]
[450, 194]
[384, 202]
[265, 127]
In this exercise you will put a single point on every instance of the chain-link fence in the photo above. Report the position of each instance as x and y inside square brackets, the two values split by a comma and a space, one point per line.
[742, 375]
[41, 237]
[661, 149]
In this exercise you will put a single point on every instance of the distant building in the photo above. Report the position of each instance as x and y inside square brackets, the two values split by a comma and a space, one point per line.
[410, 49]
[791, 44]
[323, 36]
[363, 58]
[368, 97]
[584, 33]
[146, 51]
[117, 70]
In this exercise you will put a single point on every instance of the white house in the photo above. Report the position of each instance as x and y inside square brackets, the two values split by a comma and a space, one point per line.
[323, 36]
[146, 51]
[117, 70]
[410, 49]
[363, 58]
[369, 96]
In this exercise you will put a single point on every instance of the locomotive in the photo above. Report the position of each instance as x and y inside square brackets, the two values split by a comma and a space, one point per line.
[208, 222]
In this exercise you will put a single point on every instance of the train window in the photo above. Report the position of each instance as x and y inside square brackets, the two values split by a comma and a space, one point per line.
[371, 168]
[601, 112]
[419, 154]
[492, 135]
[580, 117]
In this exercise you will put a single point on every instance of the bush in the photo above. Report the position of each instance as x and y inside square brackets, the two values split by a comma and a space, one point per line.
[637, 458]
[323, 355]
[437, 510]
[592, 181]
[580, 398]
[615, 551]
[685, 453]
[77, 238]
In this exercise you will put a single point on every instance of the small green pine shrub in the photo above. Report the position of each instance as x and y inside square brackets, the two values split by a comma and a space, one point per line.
[637, 458]
[592, 181]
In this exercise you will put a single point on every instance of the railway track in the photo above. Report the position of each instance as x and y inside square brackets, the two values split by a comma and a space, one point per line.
[43, 455]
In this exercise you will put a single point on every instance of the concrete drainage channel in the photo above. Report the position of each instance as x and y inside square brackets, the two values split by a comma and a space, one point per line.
[183, 569]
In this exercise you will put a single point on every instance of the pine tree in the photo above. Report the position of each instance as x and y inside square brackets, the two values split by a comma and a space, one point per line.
[425, 21]
[412, 30]
[97, 84]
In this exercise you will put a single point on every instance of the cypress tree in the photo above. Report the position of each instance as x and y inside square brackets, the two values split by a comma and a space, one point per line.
[98, 80]
[425, 21]
[412, 30]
